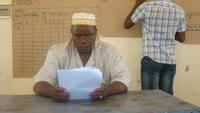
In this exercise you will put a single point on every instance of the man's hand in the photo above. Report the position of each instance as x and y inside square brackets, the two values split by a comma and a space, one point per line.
[58, 94]
[100, 93]
[128, 22]
[140, 1]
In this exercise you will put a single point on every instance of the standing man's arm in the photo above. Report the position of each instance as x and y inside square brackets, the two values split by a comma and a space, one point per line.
[180, 36]
[128, 22]
[180, 33]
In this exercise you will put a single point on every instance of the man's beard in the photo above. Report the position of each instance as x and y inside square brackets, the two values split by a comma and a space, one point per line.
[85, 50]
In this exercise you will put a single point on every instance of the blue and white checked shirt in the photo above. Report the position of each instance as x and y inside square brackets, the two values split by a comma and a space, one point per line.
[161, 19]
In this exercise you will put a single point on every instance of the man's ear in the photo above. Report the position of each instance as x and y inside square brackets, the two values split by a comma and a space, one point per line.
[96, 30]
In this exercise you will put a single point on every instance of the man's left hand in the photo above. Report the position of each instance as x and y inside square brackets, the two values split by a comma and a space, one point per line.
[100, 93]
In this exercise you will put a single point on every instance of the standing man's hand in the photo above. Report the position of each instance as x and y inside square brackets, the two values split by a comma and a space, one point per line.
[100, 93]
[58, 94]
[140, 1]
[128, 23]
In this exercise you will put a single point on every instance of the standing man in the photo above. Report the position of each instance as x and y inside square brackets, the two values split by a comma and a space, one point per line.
[82, 50]
[163, 22]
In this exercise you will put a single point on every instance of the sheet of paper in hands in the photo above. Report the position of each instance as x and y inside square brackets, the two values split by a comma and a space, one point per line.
[80, 82]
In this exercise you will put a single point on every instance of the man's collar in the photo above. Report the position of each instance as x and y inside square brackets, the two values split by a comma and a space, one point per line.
[164, 0]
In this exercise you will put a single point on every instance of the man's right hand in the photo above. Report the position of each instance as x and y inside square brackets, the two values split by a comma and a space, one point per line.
[58, 94]
[140, 1]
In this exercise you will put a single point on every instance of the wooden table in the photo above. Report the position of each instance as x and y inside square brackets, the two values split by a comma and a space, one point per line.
[152, 101]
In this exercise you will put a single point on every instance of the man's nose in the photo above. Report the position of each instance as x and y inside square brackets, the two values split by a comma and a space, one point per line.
[83, 39]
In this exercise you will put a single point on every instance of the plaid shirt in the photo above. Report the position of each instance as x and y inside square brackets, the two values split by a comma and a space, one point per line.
[161, 19]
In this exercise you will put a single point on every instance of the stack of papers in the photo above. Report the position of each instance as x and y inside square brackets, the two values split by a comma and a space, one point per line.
[80, 82]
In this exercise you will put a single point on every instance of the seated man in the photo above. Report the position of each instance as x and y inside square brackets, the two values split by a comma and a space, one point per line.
[82, 50]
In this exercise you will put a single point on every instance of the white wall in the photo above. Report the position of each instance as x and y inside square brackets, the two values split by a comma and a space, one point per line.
[9, 85]
[187, 79]
[5, 1]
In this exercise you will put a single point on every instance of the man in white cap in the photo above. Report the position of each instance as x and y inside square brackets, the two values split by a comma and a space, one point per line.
[82, 50]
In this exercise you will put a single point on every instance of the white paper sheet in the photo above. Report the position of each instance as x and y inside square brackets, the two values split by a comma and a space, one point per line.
[80, 81]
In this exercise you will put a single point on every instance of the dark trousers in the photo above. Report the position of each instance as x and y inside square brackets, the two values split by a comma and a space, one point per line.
[157, 75]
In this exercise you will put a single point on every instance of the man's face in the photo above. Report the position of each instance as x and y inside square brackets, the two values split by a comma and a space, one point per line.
[84, 37]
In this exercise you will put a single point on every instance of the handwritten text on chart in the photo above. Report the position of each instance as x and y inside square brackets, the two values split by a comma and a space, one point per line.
[193, 23]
